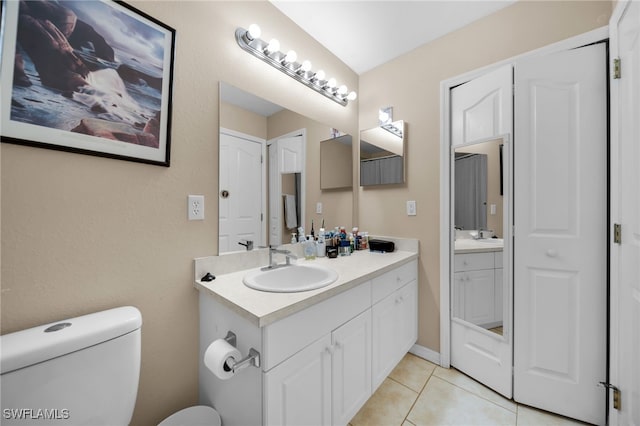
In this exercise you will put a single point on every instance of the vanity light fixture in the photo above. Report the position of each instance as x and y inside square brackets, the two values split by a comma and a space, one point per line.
[270, 53]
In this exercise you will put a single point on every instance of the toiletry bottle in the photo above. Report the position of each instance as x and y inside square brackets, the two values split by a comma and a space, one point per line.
[321, 245]
[345, 249]
[301, 237]
[293, 238]
[309, 248]
[313, 235]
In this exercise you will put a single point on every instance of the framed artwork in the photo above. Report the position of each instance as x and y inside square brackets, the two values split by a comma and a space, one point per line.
[92, 77]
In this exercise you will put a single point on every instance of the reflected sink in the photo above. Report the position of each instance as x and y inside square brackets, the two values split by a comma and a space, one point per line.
[499, 241]
[290, 279]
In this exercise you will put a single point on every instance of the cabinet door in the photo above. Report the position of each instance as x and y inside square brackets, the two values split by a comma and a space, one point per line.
[395, 330]
[479, 296]
[298, 391]
[383, 339]
[408, 317]
[351, 366]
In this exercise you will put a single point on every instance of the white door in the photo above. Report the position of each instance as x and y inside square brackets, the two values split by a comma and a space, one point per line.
[625, 210]
[291, 155]
[298, 391]
[351, 366]
[240, 198]
[482, 109]
[560, 218]
[286, 155]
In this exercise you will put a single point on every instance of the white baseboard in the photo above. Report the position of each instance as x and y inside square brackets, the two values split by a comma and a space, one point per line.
[426, 353]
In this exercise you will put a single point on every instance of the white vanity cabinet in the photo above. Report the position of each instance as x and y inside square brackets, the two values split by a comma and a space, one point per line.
[318, 365]
[478, 288]
[394, 314]
[325, 383]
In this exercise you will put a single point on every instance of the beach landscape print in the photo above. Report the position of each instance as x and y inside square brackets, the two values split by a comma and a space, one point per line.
[86, 76]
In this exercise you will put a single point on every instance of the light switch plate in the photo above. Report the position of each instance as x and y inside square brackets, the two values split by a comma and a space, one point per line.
[319, 208]
[411, 208]
[195, 207]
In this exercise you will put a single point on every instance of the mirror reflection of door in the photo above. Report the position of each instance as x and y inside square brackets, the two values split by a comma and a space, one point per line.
[240, 195]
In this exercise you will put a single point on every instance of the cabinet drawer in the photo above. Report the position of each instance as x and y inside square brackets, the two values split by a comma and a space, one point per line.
[389, 282]
[473, 261]
[286, 337]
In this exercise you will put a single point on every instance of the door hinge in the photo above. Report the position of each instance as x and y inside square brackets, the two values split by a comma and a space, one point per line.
[617, 395]
[261, 217]
[617, 233]
[261, 159]
[616, 68]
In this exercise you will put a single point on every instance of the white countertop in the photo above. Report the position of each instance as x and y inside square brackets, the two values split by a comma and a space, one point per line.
[464, 245]
[264, 308]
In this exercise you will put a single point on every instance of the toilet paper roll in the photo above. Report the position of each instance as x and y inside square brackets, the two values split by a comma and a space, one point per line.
[216, 356]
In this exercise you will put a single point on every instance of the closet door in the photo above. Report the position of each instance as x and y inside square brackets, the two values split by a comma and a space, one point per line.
[625, 210]
[560, 217]
[481, 114]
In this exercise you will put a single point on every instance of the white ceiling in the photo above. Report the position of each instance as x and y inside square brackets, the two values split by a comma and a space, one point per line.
[367, 33]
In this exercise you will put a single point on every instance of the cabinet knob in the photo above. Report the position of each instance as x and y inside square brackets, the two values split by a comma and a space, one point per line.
[552, 253]
[329, 350]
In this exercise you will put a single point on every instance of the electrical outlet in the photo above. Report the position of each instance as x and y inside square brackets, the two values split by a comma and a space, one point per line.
[411, 208]
[195, 207]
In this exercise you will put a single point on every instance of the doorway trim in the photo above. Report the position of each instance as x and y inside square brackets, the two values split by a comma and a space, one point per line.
[446, 236]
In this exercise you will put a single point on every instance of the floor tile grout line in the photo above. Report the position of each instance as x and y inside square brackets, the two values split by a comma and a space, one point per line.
[480, 396]
[406, 418]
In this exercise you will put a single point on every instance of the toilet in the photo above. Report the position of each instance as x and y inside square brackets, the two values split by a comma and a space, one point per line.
[83, 370]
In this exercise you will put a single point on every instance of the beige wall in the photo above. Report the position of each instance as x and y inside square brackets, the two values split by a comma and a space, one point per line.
[243, 121]
[82, 233]
[414, 95]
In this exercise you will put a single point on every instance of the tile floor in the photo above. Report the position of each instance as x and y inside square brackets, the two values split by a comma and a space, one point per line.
[418, 393]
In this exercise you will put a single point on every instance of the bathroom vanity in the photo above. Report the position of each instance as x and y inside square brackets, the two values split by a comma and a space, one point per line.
[478, 282]
[322, 352]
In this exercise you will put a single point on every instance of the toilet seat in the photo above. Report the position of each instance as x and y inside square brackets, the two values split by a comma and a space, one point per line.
[200, 415]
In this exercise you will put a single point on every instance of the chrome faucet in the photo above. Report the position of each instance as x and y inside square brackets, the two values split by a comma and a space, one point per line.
[248, 244]
[273, 264]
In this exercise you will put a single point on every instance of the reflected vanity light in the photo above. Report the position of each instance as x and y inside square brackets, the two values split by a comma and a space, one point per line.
[250, 41]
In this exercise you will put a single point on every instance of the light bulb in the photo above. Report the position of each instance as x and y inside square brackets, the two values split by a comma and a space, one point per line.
[352, 96]
[306, 66]
[254, 31]
[273, 46]
[320, 75]
[342, 90]
[331, 83]
[291, 57]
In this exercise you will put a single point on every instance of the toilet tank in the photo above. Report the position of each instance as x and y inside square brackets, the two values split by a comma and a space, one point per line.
[80, 371]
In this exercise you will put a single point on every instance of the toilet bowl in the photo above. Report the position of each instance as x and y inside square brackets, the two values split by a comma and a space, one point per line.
[200, 415]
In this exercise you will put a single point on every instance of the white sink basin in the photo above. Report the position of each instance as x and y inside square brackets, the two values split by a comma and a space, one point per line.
[290, 279]
[498, 241]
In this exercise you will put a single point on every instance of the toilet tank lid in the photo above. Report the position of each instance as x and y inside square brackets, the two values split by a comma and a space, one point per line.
[27, 347]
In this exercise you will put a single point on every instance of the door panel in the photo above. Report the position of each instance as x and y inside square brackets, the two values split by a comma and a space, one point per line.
[240, 174]
[560, 232]
[625, 210]
[482, 108]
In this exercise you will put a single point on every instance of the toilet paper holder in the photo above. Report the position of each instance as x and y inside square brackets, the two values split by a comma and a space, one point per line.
[252, 359]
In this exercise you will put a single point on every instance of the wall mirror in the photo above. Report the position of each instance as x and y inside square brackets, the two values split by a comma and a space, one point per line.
[269, 173]
[336, 163]
[382, 154]
[478, 206]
